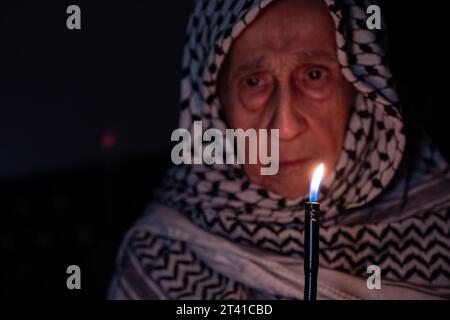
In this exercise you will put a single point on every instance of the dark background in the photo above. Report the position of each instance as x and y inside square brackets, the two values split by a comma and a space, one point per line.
[86, 117]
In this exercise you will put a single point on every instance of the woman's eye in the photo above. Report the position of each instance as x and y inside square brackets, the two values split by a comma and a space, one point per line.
[316, 77]
[316, 81]
[256, 81]
[314, 74]
[253, 81]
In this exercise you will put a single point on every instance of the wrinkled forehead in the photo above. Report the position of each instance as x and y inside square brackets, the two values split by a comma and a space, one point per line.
[288, 23]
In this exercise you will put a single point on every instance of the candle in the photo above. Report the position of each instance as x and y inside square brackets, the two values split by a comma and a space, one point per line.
[312, 224]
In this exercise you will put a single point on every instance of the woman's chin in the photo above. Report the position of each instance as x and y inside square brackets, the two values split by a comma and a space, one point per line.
[285, 184]
[287, 189]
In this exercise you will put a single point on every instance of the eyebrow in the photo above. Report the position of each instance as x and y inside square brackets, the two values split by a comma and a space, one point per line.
[249, 65]
[300, 56]
[317, 54]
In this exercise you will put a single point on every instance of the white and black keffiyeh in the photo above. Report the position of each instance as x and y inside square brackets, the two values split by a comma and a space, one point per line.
[376, 208]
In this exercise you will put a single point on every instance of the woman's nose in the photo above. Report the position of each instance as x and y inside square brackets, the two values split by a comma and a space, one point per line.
[287, 116]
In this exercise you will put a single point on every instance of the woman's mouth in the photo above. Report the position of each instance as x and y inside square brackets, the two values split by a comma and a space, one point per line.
[293, 164]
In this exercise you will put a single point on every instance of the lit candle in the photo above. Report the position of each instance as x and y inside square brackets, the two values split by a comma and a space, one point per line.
[312, 224]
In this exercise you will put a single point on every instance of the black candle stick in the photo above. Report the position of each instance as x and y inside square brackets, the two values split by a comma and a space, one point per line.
[311, 257]
[311, 243]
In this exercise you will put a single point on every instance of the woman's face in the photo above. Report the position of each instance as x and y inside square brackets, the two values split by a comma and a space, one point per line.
[282, 73]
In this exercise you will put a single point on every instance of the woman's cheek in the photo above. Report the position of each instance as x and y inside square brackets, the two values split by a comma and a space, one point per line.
[319, 92]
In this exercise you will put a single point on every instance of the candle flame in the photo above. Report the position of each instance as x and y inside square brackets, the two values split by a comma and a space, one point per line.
[314, 187]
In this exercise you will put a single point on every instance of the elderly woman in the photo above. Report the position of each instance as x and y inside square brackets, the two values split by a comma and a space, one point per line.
[313, 70]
